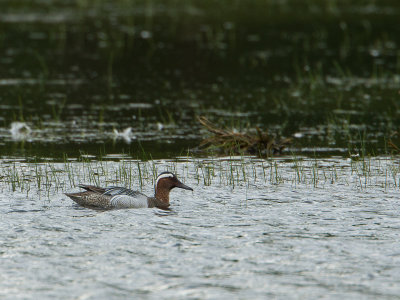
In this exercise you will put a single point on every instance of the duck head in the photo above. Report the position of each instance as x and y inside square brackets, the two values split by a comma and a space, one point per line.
[165, 182]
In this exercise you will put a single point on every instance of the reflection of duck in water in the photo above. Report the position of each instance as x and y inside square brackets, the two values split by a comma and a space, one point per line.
[120, 197]
[20, 131]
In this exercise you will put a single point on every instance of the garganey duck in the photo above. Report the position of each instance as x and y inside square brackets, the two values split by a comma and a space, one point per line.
[120, 197]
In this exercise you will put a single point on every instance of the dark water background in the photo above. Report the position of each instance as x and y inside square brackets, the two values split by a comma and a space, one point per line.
[325, 72]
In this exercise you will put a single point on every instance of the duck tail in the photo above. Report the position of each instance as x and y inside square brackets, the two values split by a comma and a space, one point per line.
[77, 197]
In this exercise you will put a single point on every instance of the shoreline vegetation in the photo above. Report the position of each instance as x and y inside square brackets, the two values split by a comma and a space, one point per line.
[48, 178]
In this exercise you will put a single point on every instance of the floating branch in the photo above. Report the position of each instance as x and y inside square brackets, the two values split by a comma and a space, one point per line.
[230, 141]
[391, 144]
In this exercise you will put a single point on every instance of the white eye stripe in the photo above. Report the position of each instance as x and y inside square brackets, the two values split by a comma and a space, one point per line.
[163, 176]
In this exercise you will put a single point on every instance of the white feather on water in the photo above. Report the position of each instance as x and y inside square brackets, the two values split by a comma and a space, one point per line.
[20, 131]
[126, 135]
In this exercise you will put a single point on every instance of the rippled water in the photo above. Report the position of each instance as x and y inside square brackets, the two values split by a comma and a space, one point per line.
[279, 231]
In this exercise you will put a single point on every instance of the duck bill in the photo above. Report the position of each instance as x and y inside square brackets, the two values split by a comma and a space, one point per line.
[183, 186]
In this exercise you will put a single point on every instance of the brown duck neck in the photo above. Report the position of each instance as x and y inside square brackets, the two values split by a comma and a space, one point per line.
[155, 202]
[162, 194]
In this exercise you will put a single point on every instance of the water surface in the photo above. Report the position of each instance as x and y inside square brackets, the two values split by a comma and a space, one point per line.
[271, 234]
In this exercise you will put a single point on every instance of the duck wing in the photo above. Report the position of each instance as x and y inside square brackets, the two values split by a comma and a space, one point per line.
[125, 198]
[109, 197]
[116, 190]
[92, 188]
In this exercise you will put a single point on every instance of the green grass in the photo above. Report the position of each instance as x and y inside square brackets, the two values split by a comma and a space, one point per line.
[47, 179]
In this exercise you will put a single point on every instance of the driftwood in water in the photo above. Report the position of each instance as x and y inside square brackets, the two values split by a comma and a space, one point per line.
[229, 141]
[391, 144]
